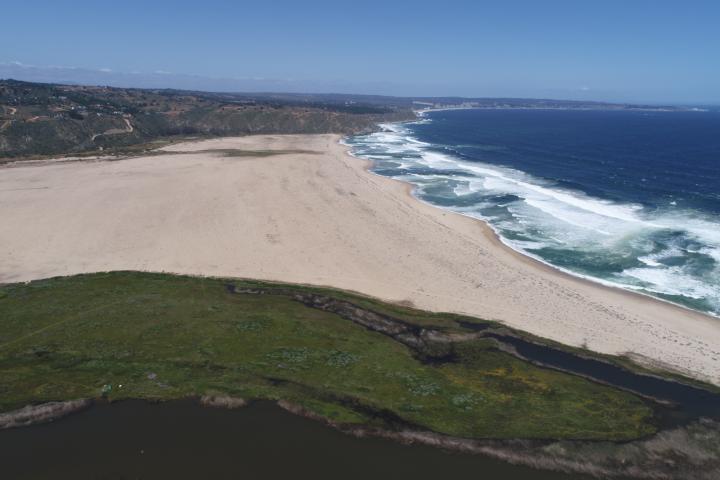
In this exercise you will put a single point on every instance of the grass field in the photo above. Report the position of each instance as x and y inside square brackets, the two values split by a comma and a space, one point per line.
[157, 336]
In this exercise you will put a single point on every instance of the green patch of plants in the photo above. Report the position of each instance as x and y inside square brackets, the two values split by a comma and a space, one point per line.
[156, 336]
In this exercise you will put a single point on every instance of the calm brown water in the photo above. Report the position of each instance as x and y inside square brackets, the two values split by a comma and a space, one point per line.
[180, 440]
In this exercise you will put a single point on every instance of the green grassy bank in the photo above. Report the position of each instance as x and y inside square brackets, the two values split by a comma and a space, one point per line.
[156, 336]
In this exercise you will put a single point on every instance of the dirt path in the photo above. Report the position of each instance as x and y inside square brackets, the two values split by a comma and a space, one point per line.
[117, 131]
[10, 111]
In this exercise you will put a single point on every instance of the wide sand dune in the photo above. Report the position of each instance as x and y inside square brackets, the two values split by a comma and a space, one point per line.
[318, 217]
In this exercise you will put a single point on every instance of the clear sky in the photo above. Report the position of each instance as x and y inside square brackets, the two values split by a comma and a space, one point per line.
[630, 50]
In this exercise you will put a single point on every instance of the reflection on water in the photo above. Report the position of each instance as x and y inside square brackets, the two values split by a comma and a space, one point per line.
[139, 440]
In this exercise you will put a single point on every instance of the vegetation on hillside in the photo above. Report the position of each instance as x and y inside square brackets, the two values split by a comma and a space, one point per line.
[44, 119]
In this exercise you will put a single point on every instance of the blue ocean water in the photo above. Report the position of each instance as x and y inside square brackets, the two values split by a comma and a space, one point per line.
[627, 198]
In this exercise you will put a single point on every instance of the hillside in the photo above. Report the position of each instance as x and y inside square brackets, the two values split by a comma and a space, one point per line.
[46, 119]
[42, 119]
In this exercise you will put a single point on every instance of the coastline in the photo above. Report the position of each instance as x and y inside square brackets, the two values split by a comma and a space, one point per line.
[491, 235]
[494, 236]
[323, 219]
[421, 113]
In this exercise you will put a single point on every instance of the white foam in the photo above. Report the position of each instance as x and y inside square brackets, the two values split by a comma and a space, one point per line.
[650, 261]
[565, 218]
[673, 281]
[626, 213]
[468, 187]
[511, 181]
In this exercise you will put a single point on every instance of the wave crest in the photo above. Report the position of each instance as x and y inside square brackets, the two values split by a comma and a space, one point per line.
[671, 254]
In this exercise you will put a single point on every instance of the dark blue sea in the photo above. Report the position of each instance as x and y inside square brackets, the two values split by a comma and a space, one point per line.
[628, 198]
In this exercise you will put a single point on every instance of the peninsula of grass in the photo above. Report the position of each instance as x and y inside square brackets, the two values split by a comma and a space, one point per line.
[159, 337]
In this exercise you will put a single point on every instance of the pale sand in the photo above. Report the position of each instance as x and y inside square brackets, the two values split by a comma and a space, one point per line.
[319, 219]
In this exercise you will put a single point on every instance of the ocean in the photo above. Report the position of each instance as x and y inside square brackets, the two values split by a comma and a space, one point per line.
[625, 198]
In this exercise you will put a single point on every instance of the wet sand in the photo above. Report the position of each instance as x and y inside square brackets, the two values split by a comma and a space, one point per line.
[319, 217]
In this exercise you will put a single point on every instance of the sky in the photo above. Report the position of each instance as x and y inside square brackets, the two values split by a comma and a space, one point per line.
[661, 51]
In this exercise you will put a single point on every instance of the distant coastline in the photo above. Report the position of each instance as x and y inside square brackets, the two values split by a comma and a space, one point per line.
[609, 107]
[101, 120]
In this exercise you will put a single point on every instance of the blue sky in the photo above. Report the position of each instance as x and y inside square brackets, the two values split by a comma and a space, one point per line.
[632, 50]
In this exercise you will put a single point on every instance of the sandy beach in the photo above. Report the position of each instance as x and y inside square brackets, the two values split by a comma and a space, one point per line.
[315, 215]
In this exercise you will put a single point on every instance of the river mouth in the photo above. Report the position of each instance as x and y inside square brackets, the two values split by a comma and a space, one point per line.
[180, 439]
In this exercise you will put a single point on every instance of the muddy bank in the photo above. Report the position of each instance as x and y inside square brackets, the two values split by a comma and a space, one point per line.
[46, 412]
[222, 401]
[682, 453]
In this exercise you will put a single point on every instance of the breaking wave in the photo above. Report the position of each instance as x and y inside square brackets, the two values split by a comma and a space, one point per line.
[670, 253]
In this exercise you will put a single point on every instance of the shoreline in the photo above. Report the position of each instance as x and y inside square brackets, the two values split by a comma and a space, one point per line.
[497, 236]
[492, 235]
[322, 219]
[38, 414]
